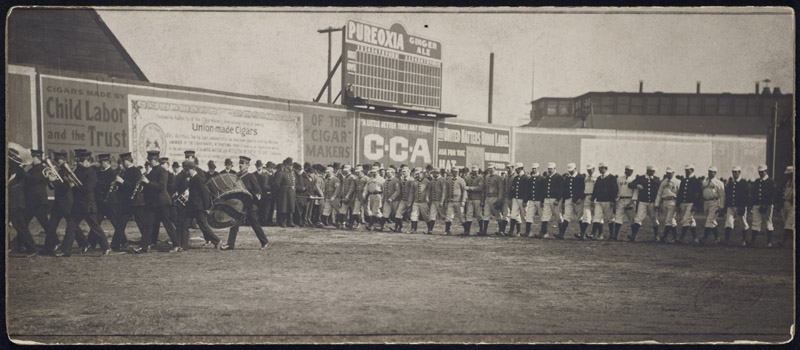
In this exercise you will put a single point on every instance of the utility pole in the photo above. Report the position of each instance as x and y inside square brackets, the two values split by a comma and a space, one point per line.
[329, 30]
[491, 83]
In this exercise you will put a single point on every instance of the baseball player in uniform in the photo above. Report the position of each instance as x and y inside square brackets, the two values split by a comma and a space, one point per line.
[474, 200]
[689, 193]
[648, 186]
[373, 192]
[666, 200]
[404, 199]
[437, 208]
[551, 185]
[517, 194]
[788, 206]
[604, 194]
[572, 195]
[624, 205]
[455, 199]
[763, 201]
[534, 198]
[736, 203]
[391, 191]
[348, 191]
[588, 205]
[331, 193]
[493, 194]
[420, 198]
[713, 200]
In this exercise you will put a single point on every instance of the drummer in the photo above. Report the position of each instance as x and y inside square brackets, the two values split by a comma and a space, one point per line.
[251, 184]
[198, 206]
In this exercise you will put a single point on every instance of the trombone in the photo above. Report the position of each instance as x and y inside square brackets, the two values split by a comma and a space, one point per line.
[72, 179]
[51, 172]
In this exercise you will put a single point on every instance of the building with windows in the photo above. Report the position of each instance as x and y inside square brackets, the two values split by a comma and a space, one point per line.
[700, 113]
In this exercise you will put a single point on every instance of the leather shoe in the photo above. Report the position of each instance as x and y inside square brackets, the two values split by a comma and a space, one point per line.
[220, 246]
[265, 246]
[175, 250]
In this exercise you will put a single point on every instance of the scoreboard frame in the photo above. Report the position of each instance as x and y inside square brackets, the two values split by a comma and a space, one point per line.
[389, 67]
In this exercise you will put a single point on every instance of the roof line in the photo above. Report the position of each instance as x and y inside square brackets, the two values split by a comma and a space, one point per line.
[118, 45]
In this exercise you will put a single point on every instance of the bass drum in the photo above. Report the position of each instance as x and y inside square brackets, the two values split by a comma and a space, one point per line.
[230, 200]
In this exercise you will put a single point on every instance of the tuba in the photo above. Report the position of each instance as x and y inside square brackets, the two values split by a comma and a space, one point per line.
[51, 172]
[19, 155]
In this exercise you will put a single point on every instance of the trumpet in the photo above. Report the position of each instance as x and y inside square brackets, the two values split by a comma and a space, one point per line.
[51, 172]
[114, 185]
[72, 179]
[139, 186]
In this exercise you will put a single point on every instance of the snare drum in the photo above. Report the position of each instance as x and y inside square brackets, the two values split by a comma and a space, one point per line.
[230, 200]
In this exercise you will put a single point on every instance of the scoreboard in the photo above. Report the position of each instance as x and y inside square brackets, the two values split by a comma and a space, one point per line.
[392, 68]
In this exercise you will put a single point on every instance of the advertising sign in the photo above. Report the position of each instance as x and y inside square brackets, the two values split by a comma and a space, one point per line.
[328, 134]
[472, 146]
[389, 67]
[395, 141]
[80, 114]
[216, 131]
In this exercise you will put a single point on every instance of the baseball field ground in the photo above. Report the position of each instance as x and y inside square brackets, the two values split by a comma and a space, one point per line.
[321, 286]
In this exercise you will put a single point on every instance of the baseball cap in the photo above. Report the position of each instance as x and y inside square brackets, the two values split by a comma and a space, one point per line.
[651, 167]
[689, 166]
[551, 165]
[712, 168]
[589, 166]
[629, 167]
[670, 170]
[736, 168]
[519, 165]
[570, 167]
[535, 166]
[762, 167]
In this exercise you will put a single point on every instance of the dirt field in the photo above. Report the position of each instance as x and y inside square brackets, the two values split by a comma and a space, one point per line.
[354, 286]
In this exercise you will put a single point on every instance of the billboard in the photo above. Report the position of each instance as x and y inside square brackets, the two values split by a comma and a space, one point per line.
[394, 141]
[83, 114]
[93, 114]
[472, 146]
[389, 67]
[216, 131]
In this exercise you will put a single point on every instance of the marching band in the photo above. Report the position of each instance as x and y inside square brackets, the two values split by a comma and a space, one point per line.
[345, 197]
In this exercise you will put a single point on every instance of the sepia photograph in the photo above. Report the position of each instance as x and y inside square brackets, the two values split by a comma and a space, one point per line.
[403, 175]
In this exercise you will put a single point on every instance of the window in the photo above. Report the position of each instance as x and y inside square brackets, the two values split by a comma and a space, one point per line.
[681, 105]
[623, 105]
[552, 108]
[694, 105]
[724, 106]
[739, 106]
[710, 106]
[636, 105]
[563, 108]
[652, 105]
[665, 106]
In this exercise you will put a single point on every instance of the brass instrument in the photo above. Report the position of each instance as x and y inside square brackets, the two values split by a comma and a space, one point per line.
[139, 185]
[51, 172]
[19, 155]
[72, 179]
[114, 184]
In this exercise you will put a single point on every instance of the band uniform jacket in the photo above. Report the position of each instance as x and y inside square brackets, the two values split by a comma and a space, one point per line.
[650, 188]
[551, 184]
[763, 192]
[182, 182]
[16, 188]
[251, 184]
[83, 196]
[199, 196]
[104, 180]
[171, 188]
[691, 191]
[420, 192]
[63, 194]
[130, 177]
[534, 188]
[155, 191]
[286, 181]
[605, 189]
[475, 187]
[519, 187]
[35, 187]
[736, 193]
[573, 186]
